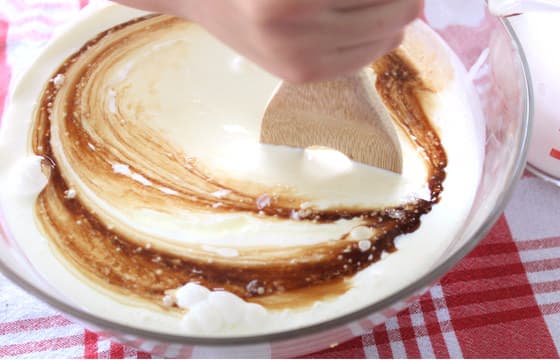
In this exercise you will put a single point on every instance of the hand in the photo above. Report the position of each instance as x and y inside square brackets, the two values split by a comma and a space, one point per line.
[299, 40]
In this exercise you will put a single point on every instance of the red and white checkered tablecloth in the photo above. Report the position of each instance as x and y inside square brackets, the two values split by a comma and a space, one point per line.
[503, 300]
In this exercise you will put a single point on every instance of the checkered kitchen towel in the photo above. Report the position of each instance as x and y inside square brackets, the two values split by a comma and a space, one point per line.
[503, 300]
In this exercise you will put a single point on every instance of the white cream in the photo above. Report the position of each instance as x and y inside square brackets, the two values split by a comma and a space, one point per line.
[25, 178]
[230, 118]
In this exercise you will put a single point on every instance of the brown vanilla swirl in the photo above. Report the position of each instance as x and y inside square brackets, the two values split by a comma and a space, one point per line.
[109, 158]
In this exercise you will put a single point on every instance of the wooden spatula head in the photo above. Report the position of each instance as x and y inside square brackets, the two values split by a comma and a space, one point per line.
[345, 114]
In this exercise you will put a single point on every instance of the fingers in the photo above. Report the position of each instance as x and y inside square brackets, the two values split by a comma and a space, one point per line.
[322, 66]
[361, 22]
[339, 41]
[349, 59]
[379, 20]
[351, 5]
[160, 6]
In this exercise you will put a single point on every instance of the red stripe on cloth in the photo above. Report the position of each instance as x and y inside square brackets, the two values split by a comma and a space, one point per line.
[143, 355]
[542, 265]
[501, 317]
[478, 297]
[480, 262]
[464, 323]
[485, 285]
[480, 325]
[492, 249]
[116, 350]
[506, 319]
[538, 244]
[381, 341]
[408, 335]
[33, 324]
[90, 345]
[510, 334]
[5, 72]
[40, 346]
[484, 273]
[435, 332]
[546, 287]
[353, 349]
[550, 309]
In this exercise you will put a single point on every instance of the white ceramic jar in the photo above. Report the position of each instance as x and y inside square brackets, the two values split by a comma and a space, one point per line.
[540, 32]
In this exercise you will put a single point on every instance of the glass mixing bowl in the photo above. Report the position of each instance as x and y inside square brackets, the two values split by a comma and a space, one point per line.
[488, 47]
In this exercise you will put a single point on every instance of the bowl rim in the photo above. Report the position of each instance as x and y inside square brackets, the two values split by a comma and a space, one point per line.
[122, 331]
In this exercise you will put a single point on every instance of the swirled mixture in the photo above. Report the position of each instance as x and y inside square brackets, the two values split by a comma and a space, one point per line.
[148, 134]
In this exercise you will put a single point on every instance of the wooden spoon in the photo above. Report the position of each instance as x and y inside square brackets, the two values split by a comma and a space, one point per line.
[345, 114]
